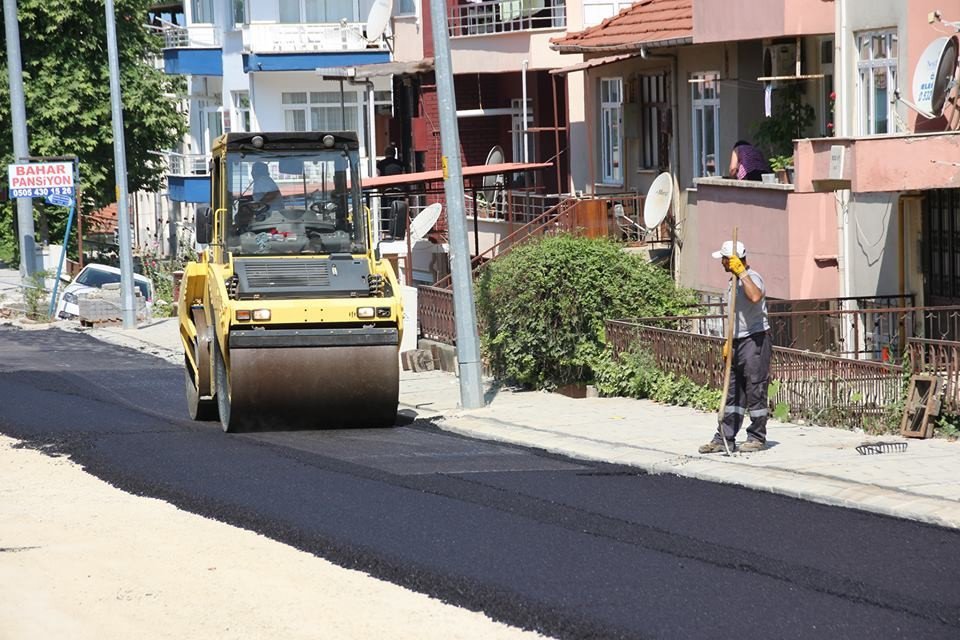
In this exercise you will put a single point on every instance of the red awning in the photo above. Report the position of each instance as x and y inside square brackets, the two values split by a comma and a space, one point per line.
[479, 170]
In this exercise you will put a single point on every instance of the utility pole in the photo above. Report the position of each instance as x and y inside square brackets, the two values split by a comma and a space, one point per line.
[127, 308]
[468, 343]
[21, 146]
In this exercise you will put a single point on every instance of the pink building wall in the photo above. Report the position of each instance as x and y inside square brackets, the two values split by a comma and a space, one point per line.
[782, 231]
[883, 163]
[726, 20]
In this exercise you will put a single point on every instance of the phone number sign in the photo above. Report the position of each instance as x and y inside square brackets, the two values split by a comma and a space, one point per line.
[40, 179]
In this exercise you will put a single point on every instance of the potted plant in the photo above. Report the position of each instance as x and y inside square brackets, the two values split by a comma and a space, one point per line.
[791, 118]
[783, 167]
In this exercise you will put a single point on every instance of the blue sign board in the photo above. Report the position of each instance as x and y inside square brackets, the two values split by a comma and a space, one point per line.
[59, 200]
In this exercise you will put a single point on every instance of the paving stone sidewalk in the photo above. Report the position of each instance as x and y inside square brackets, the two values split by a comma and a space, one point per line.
[813, 463]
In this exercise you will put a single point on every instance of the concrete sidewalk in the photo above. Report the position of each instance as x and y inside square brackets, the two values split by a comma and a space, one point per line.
[813, 463]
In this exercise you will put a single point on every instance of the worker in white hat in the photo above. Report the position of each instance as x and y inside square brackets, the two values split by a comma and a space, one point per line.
[750, 369]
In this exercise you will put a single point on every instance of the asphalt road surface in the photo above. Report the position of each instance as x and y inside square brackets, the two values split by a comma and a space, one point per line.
[570, 548]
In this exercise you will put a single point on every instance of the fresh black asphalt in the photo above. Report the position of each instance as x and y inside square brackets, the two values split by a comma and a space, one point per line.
[570, 548]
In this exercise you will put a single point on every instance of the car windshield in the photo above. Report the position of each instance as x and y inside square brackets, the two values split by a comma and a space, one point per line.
[97, 278]
[284, 203]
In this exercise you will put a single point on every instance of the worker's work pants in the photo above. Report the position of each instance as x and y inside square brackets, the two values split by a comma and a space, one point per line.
[749, 379]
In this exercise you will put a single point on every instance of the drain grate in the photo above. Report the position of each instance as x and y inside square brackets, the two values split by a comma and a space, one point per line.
[870, 448]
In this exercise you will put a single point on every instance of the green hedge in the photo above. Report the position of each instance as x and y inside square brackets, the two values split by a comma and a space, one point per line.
[543, 306]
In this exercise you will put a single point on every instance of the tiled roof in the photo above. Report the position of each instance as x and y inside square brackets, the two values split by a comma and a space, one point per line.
[647, 23]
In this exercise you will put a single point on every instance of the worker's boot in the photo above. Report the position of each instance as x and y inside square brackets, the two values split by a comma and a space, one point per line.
[716, 446]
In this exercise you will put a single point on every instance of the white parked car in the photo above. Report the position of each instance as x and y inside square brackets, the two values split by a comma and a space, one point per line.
[92, 277]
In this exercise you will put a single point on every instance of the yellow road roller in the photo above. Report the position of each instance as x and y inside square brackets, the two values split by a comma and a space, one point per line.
[290, 319]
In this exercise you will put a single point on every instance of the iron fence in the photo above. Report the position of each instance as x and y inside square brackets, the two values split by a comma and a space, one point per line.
[940, 358]
[822, 389]
[871, 332]
[435, 314]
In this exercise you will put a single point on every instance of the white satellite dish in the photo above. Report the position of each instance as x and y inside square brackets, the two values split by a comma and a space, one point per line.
[378, 18]
[934, 77]
[492, 183]
[420, 226]
[658, 200]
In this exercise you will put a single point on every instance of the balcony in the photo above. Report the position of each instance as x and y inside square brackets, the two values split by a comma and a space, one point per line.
[489, 17]
[878, 163]
[298, 38]
[191, 51]
[793, 235]
[188, 176]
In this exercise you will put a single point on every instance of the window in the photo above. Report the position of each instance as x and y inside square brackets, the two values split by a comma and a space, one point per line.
[211, 124]
[321, 11]
[826, 86]
[241, 107]
[516, 129]
[611, 130]
[320, 111]
[654, 127]
[240, 12]
[706, 123]
[596, 11]
[202, 11]
[405, 7]
[877, 79]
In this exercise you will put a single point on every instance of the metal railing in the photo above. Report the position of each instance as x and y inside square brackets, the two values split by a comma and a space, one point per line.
[488, 17]
[873, 332]
[558, 219]
[175, 36]
[346, 36]
[940, 358]
[186, 164]
[822, 389]
[435, 314]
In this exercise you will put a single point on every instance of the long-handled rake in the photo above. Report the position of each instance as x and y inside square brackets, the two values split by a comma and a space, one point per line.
[729, 359]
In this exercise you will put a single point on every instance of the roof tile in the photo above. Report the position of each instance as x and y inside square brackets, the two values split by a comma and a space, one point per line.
[643, 23]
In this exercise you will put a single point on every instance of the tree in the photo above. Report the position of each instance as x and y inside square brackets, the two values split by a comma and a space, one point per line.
[66, 82]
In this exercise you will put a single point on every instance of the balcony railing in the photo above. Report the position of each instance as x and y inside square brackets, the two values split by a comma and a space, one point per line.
[177, 37]
[505, 16]
[185, 164]
[288, 38]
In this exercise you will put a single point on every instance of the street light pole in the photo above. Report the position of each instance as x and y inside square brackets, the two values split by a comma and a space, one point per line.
[21, 146]
[127, 307]
[468, 344]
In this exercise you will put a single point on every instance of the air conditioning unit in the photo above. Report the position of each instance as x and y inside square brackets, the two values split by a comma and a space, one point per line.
[779, 60]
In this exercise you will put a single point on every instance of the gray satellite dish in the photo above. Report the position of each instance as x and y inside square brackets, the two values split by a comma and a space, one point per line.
[935, 76]
[493, 183]
[420, 226]
[658, 200]
[378, 18]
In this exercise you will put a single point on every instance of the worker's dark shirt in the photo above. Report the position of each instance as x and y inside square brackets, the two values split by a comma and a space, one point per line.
[389, 167]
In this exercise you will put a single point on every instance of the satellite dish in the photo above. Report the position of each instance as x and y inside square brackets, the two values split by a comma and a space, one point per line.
[491, 182]
[420, 226]
[658, 200]
[934, 77]
[378, 18]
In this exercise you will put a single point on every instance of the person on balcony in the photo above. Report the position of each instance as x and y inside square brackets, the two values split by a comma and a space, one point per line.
[390, 165]
[747, 162]
[750, 368]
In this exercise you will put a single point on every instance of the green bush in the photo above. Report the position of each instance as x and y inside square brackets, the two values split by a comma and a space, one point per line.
[160, 270]
[542, 306]
[36, 298]
[636, 375]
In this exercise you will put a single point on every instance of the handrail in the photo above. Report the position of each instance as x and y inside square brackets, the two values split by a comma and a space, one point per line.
[542, 221]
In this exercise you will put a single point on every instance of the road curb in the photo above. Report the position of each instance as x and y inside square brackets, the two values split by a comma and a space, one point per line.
[826, 490]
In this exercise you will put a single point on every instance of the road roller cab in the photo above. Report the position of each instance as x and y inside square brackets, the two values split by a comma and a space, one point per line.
[289, 319]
